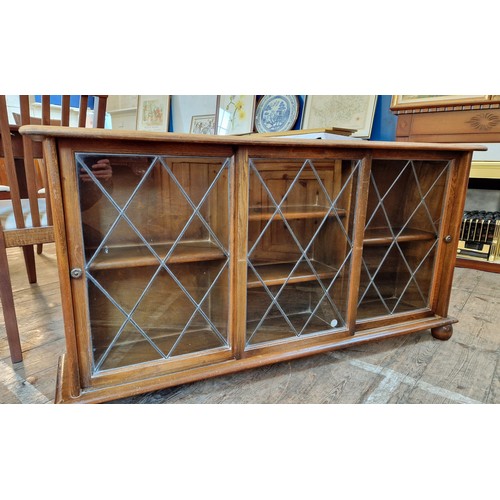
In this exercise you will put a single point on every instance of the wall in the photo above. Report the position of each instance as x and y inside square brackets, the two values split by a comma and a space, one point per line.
[384, 121]
[74, 100]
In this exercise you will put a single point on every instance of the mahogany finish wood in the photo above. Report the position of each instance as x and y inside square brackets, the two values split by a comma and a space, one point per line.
[204, 255]
[25, 175]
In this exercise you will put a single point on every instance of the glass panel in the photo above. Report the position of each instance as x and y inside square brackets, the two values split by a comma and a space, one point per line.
[299, 247]
[401, 235]
[156, 238]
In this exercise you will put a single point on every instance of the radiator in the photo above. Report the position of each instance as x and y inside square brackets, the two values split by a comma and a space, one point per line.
[479, 235]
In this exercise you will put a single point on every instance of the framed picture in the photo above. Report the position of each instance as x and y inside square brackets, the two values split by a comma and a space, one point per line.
[234, 114]
[203, 124]
[428, 101]
[153, 112]
[340, 111]
[184, 107]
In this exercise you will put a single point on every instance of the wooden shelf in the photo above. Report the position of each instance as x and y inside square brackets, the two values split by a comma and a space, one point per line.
[135, 349]
[276, 329]
[140, 256]
[382, 236]
[370, 308]
[277, 273]
[299, 212]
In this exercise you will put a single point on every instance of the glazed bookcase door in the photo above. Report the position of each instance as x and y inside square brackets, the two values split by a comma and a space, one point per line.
[401, 240]
[156, 242]
[300, 243]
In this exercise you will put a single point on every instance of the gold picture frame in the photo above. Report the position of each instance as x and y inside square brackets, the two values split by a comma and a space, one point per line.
[400, 102]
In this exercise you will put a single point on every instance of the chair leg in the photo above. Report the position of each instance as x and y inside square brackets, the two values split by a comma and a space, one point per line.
[29, 260]
[39, 248]
[9, 311]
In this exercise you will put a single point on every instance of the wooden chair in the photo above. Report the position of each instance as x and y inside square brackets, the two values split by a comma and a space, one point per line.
[25, 209]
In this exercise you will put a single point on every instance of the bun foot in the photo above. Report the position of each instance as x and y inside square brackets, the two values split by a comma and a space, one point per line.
[442, 332]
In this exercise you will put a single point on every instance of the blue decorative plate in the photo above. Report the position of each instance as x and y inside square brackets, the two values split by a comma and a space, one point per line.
[276, 113]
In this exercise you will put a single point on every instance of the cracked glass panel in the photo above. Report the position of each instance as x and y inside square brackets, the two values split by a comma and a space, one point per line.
[299, 247]
[156, 243]
[401, 235]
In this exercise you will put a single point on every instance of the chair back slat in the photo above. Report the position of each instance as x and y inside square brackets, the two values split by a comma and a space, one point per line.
[29, 163]
[100, 104]
[82, 117]
[46, 110]
[65, 111]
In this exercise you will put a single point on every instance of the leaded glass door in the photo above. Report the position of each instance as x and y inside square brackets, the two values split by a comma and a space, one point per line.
[156, 243]
[403, 224]
[300, 230]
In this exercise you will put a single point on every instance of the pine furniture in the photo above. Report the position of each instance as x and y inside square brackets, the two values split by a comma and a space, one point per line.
[198, 256]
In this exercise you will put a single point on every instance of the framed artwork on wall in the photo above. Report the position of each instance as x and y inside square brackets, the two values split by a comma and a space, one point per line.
[184, 107]
[234, 114]
[203, 124]
[153, 112]
[340, 111]
[431, 101]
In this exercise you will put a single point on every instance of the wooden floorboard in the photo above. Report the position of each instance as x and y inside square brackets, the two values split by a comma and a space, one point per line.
[414, 369]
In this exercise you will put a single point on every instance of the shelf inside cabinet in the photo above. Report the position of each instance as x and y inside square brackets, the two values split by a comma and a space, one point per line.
[141, 256]
[372, 308]
[273, 329]
[278, 273]
[293, 212]
[383, 236]
[136, 349]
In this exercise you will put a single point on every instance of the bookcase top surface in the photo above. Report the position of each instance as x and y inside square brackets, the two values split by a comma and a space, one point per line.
[39, 132]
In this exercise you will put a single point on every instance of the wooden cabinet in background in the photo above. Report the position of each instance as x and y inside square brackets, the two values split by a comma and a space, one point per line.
[198, 256]
[454, 119]
[458, 119]
[472, 125]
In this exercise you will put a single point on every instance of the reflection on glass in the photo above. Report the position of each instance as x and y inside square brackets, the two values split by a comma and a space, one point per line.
[156, 240]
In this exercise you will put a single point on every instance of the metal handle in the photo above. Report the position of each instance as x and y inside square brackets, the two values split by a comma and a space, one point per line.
[448, 239]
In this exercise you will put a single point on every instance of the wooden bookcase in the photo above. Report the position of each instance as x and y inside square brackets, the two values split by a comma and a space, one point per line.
[197, 256]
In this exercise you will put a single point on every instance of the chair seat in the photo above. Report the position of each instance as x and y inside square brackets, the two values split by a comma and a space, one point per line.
[7, 213]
